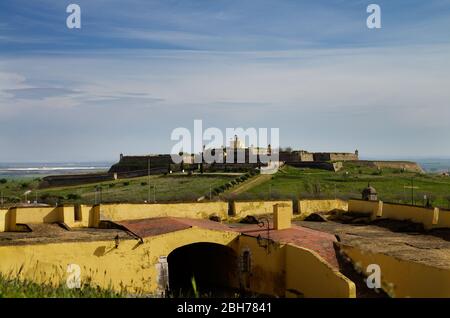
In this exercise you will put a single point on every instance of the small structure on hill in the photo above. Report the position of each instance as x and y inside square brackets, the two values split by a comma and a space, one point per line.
[369, 193]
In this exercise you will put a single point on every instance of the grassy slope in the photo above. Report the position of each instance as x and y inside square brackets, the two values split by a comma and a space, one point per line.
[288, 183]
[293, 182]
[167, 188]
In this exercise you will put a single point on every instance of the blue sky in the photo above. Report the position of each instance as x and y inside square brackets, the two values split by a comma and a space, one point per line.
[138, 69]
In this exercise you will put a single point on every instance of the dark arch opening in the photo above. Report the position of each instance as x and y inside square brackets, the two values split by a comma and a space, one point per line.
[213, 266]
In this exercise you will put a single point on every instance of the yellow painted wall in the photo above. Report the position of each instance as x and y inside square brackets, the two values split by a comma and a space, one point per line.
[405, 212]
[66, 214]
[38, 215]
[429, 217]
[3, 220]
[291, 271]
[90, 216]
[307, 207]
[444, 219]
[308, 275]
[282, 216]
[267, 270]
[401, 278]
[362, 206]
[244, 208]
[118, 212]
[131, 265]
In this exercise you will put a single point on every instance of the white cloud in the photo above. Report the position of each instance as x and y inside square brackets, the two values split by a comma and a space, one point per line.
[347, 93]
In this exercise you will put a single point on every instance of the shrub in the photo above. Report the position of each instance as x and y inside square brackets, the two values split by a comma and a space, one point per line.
[45, 196]
[144, 183]
[111, 185]
[126, 183]
[73, 196]
[24, 185]
[14, 199]
[3, 181]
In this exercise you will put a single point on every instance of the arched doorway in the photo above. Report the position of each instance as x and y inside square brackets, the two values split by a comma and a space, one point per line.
[211, 268]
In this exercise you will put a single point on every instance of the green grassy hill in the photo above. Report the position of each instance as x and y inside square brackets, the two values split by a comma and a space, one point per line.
[289, 183]
[162, 188]
[390, 184]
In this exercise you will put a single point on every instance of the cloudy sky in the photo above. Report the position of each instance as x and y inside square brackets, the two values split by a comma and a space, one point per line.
[138, 69]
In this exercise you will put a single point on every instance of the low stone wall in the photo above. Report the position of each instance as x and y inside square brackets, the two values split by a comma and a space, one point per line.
[362, 206]
[306, 207]
[406, 165]
[244, 208]
[443, 220]
[119, 212]
[426, 216]
[314, 165]
[429, 217]
[70, 180]
[37, 215]
[402, 278]
[3, 221]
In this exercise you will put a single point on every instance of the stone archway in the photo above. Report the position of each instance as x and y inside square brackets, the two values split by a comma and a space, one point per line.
[214, 268]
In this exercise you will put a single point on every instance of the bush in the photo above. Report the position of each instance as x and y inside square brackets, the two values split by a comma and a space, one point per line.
[45, 196]
[51, 199]
[24, 185]
[73, 196]
[3, 181]
[111, 185]
[14, 199]
[144, 184]
[126, 183]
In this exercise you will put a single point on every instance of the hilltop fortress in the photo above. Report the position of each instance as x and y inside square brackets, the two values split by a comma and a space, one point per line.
[137, 166]
[236, 157]
[163, 163]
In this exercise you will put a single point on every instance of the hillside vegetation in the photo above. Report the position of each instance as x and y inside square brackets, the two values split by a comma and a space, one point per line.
[160, 188]
[392, 185]
[15, 288]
